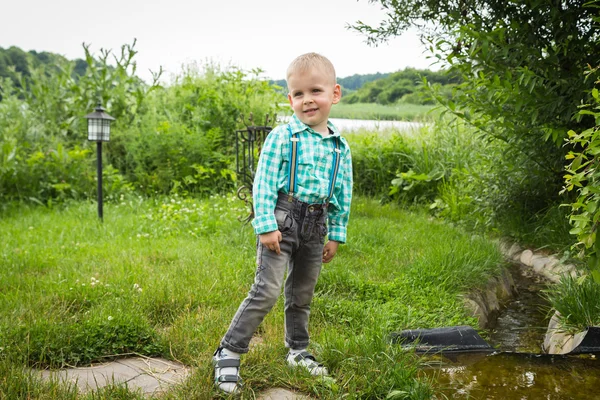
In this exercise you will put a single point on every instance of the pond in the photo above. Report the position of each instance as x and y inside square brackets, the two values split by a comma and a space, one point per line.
[518, 370]
[352, 125]
[349, 125]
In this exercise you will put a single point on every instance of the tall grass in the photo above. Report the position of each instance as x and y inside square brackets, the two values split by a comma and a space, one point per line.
[164, 277]
[576, 299]
[463, 178]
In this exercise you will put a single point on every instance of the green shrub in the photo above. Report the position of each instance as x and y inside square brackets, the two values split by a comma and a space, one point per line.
[375, 160]
[178, 138]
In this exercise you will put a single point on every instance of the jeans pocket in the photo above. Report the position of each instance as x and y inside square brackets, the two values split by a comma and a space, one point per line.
[285, 222]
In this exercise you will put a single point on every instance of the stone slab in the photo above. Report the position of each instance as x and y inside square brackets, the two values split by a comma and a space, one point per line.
[150, 375]
[281, 394]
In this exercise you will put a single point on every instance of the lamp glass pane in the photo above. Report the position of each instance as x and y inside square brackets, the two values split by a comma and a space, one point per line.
[94, 129]
[98, 130]
[106, 130]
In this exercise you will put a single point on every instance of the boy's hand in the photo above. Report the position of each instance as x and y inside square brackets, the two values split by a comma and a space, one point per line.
[271, 240]
[329, 250]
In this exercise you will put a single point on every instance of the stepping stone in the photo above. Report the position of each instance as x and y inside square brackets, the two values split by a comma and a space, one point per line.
[281, 394]
[151, 375]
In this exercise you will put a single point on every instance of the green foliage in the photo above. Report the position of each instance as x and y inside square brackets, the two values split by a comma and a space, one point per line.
[46, 155]
[576, 299]
[403, 85]
[583, 177]
[464, 178]
[375, 160]
[522, 67]
[185, 142]
[177, 138]
[16, 64]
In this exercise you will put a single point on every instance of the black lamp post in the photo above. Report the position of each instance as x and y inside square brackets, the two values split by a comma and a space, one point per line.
[99, 131]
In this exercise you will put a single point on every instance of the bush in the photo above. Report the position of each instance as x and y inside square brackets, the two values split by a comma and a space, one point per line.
[178, 138]
[375, 161]
[462, 177]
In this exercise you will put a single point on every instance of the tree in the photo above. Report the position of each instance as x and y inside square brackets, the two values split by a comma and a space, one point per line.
[522, 62]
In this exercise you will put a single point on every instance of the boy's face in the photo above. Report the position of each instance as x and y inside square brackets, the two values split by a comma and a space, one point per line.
[312, 93]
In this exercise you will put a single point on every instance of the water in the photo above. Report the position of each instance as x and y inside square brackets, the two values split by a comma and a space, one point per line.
[352, 125]
[522, 325]
[518, 370]
[512, 376]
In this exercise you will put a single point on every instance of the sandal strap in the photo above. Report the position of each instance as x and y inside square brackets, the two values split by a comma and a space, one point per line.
[227, 362]
[305, 355]
[229, 379]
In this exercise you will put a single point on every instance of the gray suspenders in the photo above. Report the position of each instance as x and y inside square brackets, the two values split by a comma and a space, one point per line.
[292, 181]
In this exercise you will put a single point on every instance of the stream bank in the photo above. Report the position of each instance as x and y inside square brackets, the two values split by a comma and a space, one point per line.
[515, 322]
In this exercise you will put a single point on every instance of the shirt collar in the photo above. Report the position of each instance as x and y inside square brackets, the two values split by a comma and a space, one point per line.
[298, 126]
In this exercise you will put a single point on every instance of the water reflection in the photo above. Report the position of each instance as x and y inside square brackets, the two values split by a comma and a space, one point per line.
[509, 376]
[517, 370]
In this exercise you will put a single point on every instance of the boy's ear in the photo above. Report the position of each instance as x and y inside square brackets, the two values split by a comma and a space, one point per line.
[290, 98]
[337, 93]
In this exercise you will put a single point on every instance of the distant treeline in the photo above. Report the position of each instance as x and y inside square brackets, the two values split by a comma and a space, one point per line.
[15, 62]
[403, 86]
[390, 88]
[351, 83]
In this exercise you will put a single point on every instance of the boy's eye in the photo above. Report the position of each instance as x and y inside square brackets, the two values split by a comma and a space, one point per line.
[316, 90]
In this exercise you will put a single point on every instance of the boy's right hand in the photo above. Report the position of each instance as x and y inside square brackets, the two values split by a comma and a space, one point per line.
[271, 240]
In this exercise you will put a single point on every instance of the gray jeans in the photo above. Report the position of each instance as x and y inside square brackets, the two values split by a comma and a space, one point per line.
[303, 228]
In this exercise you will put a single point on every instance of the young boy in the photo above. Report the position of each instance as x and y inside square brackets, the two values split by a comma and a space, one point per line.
[303, 185]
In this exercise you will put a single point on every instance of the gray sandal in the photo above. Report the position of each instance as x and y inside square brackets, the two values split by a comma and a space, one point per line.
[219, 363]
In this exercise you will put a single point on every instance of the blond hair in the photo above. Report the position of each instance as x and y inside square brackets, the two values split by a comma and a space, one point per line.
[311, 60]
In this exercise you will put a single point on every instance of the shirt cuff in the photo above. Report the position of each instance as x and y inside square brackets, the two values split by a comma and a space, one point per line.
[337, 233]
[264, 223]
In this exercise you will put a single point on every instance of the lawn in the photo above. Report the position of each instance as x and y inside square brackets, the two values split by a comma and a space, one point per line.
[164, 277]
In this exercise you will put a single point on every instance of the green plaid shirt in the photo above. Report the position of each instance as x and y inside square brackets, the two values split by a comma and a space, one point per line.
[315, 160]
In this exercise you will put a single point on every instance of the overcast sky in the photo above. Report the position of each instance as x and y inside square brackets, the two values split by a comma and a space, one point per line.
[264, 34]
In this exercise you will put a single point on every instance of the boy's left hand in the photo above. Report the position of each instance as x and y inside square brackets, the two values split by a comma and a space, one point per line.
[329, 250]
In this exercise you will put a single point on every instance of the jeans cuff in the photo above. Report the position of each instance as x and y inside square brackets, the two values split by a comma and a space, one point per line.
[296, 345]
[228, 346]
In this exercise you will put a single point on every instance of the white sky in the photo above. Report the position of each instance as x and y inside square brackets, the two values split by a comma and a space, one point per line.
[264, 34]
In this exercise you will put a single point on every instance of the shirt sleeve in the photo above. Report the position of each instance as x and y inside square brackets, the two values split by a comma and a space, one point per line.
[264, 188]
[338, 218]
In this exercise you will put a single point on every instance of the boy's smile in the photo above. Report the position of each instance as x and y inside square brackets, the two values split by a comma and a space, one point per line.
[312, 93]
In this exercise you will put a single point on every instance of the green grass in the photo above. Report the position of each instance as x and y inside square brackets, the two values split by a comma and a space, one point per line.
[165, 278]
[576, 299]
[373, 111]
